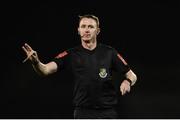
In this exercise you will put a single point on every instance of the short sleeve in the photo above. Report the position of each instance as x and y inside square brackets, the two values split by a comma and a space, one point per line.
[118, 62]
[62, 60]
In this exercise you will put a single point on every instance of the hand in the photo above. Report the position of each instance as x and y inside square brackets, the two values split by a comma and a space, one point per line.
[125, 87]
[31, 54]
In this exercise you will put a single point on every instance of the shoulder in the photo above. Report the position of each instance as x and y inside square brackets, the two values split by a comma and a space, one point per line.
[107, 48]
[104, 46]
[67, 52]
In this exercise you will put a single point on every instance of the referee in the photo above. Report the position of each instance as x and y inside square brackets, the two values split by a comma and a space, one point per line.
[92, 64]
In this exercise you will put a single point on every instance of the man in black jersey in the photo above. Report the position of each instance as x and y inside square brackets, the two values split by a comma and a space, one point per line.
[92, 64]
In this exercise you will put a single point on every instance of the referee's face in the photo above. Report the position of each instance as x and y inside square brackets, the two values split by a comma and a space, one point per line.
[88, 29]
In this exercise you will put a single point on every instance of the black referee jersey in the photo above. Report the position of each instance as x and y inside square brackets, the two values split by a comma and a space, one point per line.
[92, 72]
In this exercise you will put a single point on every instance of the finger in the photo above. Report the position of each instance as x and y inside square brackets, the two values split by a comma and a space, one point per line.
[129, 89]
[29, 55]
[122, 91]
[28, 47]
[24, 49]
[25, 59]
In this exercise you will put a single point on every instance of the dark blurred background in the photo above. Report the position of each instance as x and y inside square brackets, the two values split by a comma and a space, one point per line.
[145, 33]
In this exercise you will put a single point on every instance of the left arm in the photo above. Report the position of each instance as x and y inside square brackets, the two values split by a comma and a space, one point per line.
[119, 64]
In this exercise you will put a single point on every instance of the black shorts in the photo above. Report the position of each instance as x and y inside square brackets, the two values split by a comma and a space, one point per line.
[82, 113]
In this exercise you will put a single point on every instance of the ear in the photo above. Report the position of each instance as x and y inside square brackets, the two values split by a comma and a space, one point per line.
[98, 31]
[78, 30]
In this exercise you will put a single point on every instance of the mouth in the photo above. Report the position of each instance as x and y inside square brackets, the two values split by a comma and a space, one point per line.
[86, 35]
[87, 41]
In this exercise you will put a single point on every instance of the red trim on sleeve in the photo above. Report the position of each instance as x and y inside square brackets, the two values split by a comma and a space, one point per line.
[61, 55]
[122, 59]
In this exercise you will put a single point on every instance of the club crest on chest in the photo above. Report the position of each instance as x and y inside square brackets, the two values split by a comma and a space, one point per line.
[102, 72]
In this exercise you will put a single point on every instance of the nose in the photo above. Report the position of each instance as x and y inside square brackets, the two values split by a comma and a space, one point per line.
[87, 30]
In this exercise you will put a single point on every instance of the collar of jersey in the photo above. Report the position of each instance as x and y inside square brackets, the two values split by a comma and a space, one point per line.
[89, 51]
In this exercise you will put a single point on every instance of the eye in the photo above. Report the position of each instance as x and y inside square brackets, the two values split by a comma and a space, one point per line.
[91, 26]
[83, 26]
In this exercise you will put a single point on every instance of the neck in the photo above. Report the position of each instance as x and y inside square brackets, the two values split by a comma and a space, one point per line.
[89, 45]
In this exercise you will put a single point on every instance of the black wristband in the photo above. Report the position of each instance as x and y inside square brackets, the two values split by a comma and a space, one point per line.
[128, 80]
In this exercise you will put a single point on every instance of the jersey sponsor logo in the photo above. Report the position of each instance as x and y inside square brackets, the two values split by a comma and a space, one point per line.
[62, 54]
[122, 59]
[102, 72]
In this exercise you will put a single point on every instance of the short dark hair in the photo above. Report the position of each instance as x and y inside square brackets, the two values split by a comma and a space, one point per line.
[90, 16]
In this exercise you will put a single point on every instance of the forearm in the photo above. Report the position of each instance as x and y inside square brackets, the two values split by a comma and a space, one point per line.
[45, 69]
[131, 76]
[40, 68]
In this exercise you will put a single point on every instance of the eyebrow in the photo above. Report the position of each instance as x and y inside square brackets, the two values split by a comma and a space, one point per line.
[88, 25]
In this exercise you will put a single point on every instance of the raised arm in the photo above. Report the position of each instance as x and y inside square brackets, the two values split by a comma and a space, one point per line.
[39, 67]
